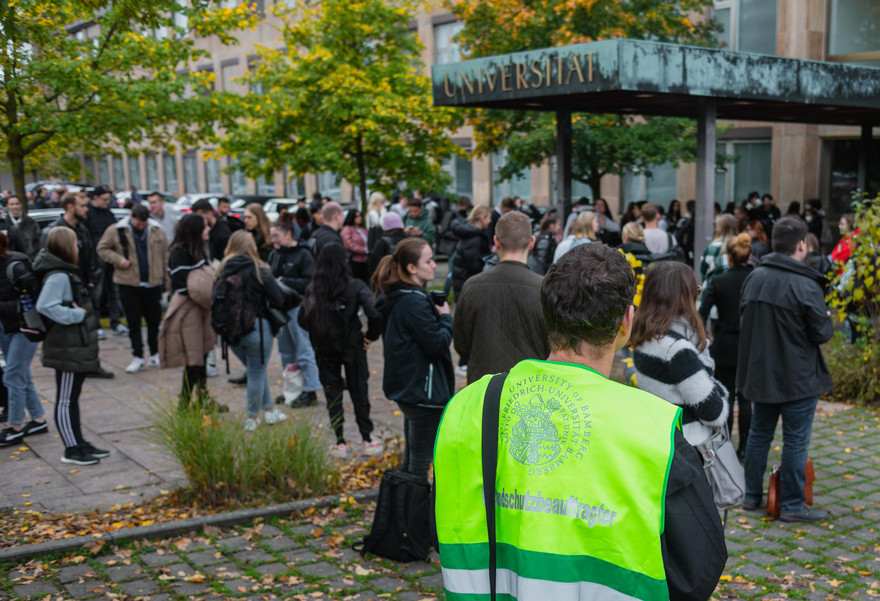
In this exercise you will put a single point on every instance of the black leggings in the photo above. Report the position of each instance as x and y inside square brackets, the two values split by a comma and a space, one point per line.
[726, 374]
[420, 425]
[194, 377]
[68, 386]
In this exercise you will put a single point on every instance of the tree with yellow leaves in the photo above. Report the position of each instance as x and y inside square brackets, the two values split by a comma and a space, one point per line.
[99, 74]
[346, 94]
[601, 144]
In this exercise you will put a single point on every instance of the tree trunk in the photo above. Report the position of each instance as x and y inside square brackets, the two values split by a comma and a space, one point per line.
[15, 156]
[362, 177]
[594, 181]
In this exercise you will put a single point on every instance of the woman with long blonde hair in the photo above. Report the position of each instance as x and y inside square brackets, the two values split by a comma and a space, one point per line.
[256, 222]
[584, 232]
[254, 348]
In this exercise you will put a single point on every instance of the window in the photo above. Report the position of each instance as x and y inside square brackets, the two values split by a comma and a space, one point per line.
[152, 172]
[580, 190]
[169, 167]
[239, 182]
[853, 32]
[517, 186]
[460, 169]
[103, 172]
[659, 189]
[296, 187]
[213, 176]
[750, 170]
[748, 25]
[328, 185]
[118, 173]
[255, 87]
[134, 172]
[88, 166]
[228, 73]
[181, 21]
[266, 185]
[843, 169]
[445, 49]
[190, 175]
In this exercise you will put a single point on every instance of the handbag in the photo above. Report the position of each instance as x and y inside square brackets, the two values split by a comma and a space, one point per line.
[276, 317]
[723, 470]
[774, 502]
[400, 529]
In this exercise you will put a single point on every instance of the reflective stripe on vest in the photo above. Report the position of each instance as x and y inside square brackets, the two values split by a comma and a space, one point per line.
[580, 491]
[461, 584]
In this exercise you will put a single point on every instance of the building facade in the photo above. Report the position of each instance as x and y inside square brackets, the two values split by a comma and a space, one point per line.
[793, 162]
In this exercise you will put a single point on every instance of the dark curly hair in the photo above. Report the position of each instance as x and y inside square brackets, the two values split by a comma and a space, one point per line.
[585, 296]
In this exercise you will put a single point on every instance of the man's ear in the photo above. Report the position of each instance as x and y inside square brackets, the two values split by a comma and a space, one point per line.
[625, 328]
[532, 243]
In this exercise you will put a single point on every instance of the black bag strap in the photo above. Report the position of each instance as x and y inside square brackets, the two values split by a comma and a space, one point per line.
[123, 241]
[491, 408]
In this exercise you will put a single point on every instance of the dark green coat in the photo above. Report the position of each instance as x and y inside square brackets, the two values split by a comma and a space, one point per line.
[73, 347]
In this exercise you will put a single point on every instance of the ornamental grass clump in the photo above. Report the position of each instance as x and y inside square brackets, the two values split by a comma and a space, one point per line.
[226, 465]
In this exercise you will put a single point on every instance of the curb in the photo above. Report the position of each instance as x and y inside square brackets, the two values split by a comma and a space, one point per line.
[230, 518]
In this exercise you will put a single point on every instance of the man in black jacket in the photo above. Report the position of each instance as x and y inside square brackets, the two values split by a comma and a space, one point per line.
[781, 369]
[220, 232]
[328, 233]
[75, 212]
[99, 217]
[22, 230]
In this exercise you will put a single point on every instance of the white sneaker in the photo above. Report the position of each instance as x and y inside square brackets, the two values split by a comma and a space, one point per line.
[274, 416]
[339, 450]
[136, 364]
[211, 371]
[154, 360]
[101, 334]
[251, 423]
[461, 370]
[372, 447]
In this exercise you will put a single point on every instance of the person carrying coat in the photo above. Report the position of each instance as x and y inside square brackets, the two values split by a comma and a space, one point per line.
[472, 248]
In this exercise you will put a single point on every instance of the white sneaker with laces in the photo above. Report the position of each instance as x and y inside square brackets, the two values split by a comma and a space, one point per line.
[251, 423]
[120, 330]
[211, 371]
[154, 360]
[373, 447]
[461, 370]
[274, 416]
[136, 365]
[339, 450]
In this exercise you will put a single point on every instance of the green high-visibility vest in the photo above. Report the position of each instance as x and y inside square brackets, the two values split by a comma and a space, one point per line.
[580, 491]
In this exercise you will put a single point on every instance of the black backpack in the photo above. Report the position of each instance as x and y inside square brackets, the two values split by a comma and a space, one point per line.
[233, 310]
[27, 285]
[401, 530]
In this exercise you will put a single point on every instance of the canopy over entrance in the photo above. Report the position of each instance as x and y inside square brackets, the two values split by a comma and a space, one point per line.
[650, 78]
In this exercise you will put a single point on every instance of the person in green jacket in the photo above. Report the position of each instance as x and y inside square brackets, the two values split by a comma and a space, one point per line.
[417, 222]
[597, 495]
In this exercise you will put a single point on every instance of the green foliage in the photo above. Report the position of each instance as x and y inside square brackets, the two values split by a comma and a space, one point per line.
[602, 144]
[117, 85]
[345, 94]
[853, 367]
[224, 463]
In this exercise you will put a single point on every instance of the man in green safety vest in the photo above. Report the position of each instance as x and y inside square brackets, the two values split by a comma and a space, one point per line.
[597, 493]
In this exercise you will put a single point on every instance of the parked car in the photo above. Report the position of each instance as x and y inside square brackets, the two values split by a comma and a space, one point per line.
[123, 199]
[273, 207]
[46, 217]
[48, 186]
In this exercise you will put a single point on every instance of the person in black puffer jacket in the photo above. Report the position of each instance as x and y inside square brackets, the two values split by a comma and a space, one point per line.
[473, 247]
[330, 314]
[17, 349]
[293, 265]
[71, 345]
[418, 365]
[545, 245]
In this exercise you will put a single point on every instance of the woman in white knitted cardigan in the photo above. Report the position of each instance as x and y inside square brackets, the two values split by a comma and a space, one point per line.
[671, 354]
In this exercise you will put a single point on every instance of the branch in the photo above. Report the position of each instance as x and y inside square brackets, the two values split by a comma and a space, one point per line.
[45, 137]
[104, 44]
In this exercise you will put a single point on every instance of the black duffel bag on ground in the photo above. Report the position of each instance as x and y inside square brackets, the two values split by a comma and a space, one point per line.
[400, 527]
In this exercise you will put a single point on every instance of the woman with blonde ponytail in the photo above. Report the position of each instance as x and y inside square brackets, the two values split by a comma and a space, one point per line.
[724, 292]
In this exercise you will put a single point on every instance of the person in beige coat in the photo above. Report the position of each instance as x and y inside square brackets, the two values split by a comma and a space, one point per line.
[186, 336]
[138, 250]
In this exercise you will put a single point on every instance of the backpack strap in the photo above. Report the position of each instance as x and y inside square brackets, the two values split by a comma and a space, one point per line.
[489, 448]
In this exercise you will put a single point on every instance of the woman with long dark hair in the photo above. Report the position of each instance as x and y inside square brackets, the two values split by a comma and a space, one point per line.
[724, 292]
[71, 344]
[17, 349]
[330, 314]
[354, 238]
[418, 365]
[186, 337]
[671, 354]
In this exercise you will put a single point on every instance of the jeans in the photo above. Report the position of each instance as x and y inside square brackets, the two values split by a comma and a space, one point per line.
[19, 351]
[142, 302]
[248, 351]
[420, 425]
[797, 426]
[726, 374]
[294, 346]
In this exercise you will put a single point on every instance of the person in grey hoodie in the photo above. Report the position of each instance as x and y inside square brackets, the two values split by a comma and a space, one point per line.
[71, 344]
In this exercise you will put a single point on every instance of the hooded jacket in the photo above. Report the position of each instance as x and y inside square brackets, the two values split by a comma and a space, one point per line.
[783, 321]
[72, 340]
[87, 265]
[472, 247]
[293, 265]
[418, 364]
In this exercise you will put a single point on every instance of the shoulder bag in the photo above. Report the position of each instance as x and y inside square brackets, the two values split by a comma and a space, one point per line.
[723, 469]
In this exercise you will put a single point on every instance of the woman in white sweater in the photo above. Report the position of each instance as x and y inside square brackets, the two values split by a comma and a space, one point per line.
[671, 354]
